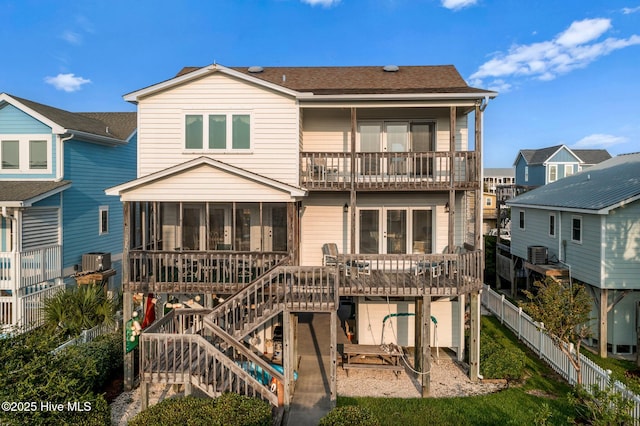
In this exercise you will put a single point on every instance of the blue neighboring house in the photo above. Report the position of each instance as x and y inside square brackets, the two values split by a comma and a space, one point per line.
[586, 227]
[537, 167]
[54, 168]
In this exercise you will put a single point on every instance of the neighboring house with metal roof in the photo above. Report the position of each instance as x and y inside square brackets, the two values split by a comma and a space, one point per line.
[360, 179]
[535, 167]
[498, 176]
[588, 225]
[54, 167]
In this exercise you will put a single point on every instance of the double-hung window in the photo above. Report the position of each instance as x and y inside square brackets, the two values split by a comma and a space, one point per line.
[218, 132]
[553, 172]
[576, 229]
[25, 154]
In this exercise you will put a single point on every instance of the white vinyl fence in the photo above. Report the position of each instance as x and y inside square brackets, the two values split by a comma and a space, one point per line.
[87, 336]
[534, 335]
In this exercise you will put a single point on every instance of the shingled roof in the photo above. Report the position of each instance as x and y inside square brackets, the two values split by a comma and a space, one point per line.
[117, 125]
[20, 192]
[362, 79]
[588, 156]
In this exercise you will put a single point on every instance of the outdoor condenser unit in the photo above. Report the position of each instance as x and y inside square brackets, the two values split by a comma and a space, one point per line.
[537, 255]
[96, 261]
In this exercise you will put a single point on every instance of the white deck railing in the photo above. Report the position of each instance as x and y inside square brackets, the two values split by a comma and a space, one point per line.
[36, 266]
[536, 337]
[30, 313]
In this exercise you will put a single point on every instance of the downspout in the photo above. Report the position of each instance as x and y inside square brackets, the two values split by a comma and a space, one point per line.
[60, 156]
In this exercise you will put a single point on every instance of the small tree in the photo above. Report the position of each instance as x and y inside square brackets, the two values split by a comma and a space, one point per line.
[564, 310]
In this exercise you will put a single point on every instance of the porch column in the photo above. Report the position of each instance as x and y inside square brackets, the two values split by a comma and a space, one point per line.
[602, 332]
[127, 296]
[333, 353]
[417, 335]
[478, 240]
[452, 191]
[352, 192]
[474, 336]
[288, 362]
[293, 230]
[426, 346]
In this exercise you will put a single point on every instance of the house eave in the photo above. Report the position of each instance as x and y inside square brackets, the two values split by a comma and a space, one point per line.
[90, 137]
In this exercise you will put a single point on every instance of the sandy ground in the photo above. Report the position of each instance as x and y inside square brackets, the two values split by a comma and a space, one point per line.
[448, 379]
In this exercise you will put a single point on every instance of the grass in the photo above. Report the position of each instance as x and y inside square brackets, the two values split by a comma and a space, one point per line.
[520, 404]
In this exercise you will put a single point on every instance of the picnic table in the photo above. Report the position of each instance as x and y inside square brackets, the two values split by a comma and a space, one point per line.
[372, 357]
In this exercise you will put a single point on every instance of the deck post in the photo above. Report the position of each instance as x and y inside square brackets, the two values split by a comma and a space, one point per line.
[478, 240]
[461, 311]
[188, 389]
[333, 353]
[144, 396]
[417, 356]
[426, 346]
[602, 332]
[287, 357]
[452, 177]
[474, 338]
[352, 192]
[127, 297]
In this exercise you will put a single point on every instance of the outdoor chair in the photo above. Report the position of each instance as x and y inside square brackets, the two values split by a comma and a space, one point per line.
[434, 268]
[330, 258]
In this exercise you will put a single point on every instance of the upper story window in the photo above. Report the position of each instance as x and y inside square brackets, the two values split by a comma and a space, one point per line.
[521, 221]
[526, 173]
[218, 132]
[553, 172]
[552, 224]
[103, 220]
[576, 229]
[24, 154]
[568, 169]
[488, 202]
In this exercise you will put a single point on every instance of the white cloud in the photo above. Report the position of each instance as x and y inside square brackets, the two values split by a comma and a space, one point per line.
[458, 4]
[71, 37]
[324, 3]
[574, 48]
[599, 140]
[67, 82]
[628, 10]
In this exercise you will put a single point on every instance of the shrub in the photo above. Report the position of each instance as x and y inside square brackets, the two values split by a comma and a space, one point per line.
[499, 362]
[227, 409]
[349, 415]
[601, 407]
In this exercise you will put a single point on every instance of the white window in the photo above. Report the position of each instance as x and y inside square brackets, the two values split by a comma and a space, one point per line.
[568, 170]
[488, 201]
[526, 173]
[218, 132]
[25, 154]
[553, 172]
[103, 220]
[576, 229]
[552, 225]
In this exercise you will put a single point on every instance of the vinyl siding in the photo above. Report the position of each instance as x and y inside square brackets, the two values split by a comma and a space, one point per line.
[401, 330]
[584, 258]
[323, 220]
[206, 183]
[330, 130]
[92, 168]
[275, 126]
[622, 248]
[563, 156]
[536, 232]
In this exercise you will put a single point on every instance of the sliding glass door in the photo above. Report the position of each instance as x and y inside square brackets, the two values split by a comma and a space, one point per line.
[395, 230]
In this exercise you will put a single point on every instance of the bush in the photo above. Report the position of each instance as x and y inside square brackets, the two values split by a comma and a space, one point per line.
[349, 415]
[227, 409]
[499, 362]
[601, 407]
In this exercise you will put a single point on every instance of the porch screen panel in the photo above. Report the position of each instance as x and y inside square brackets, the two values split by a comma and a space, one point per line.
[397, 141]
[40, 228]
[369, 232]
[396, 231]
[422, 231]
[191, 228]
[243, 228]
[279, 228]
[219, 227]
[370, 138]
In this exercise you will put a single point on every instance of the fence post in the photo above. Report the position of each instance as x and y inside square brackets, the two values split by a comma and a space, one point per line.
[83, 336]
[519, 323]
[541, 335]
[502, 309]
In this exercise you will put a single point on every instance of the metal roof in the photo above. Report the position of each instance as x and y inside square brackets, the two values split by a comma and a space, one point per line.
[600, 187]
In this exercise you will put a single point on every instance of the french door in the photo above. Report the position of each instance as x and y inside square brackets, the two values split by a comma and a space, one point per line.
[395, 230]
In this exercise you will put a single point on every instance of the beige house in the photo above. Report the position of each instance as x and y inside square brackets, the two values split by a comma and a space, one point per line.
[266, 192]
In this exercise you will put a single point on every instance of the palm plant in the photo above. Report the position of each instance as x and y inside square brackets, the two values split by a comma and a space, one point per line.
[80, 308]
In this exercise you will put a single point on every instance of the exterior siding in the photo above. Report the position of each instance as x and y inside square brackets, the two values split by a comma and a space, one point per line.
[563, 156]
[584, 257]
[92, 168]
[324, 220]
[536, 232]
[622, 248]
[13, 121]
[206, 183]
[275, 126]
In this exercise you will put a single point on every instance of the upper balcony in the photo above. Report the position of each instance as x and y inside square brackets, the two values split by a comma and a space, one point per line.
[397, 171]
[20, 270]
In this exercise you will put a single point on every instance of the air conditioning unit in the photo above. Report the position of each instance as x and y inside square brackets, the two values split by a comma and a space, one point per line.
[96, 262]
[537, 255]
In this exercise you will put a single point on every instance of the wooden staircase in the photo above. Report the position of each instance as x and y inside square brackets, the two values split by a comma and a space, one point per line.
[206, 347]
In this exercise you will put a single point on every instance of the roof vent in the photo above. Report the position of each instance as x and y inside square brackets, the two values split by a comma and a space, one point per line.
[255, 69]
[391, 68]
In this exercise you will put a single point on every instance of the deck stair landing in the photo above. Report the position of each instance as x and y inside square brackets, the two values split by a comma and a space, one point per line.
[206, 347]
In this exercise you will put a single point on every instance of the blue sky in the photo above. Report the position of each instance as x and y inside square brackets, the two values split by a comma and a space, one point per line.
[567, 71]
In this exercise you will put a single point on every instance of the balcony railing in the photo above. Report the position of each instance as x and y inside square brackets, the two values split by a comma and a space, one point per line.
[30, 267]
[410, 274]
[216, 271]
[388, 170]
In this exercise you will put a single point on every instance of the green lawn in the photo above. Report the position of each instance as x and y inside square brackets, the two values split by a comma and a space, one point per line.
[518, 405]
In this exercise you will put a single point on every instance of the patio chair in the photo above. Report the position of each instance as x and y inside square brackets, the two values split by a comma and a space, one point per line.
[434, 268]
[330, 258]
